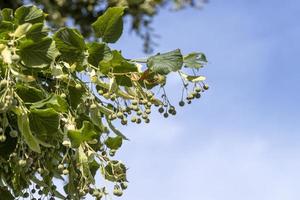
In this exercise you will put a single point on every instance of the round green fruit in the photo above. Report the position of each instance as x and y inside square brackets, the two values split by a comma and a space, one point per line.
[13, 133]
[15, 58]
[181, 103]
[22, 163]
[205, 87]
[161, 110]
[78, 86]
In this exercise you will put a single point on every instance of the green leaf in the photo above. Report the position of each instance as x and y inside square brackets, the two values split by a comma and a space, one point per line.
[52, 101]
[29, 14]
[194, 79]
[7, 14]
[5, 29]
[84, 165]
[38, 54]
[37, 32]
[194, 60]
[100, 84]
[114, 142]
[44, 122]
[115, 130]
[150, 79]
[22, 30]
[96, 118]
[113, 86]
[6, 22]
[105, 110]
[5, 194]
[86, 133]
[6, 55]
[70, 44]
[94, 166]
[31, 141]
[117, 64]
[166, 62]
[75, 96]
[29, 94]
[115, 171]
[109, 26]
[97, 52]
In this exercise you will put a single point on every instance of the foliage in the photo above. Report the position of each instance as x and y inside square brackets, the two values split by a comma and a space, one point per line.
[84, 12]
[61, 95]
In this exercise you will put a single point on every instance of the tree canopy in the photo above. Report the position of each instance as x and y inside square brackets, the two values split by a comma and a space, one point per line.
[62, 95]
[84, 12]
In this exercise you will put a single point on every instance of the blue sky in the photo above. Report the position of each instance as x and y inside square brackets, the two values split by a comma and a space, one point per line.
[241, 140]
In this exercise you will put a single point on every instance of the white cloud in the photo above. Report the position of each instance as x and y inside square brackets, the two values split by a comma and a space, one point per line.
[227, 168]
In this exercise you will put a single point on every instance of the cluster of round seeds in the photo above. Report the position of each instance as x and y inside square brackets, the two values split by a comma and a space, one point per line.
[40, 192]
[194, 94]
[7, 100]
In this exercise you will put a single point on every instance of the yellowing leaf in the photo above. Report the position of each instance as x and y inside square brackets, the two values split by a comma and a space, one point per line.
[22, 30]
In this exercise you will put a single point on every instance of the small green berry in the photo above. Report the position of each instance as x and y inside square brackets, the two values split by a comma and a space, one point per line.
[15, 58]
[161, 110]
[22, 163]
[93, 106]
[100, 92]
[206, 87]
[40, 170]
[78, 86]
[26, 195]
[120, 115]
[124, 185]
[94, 79]
[197, 89]
[65, 172]
[133, 119]
[112, 152]
[134, 102]
[63, 95]
[60, 167]
[2, 138]
[145, 116]
[181, 103]
[124, 122]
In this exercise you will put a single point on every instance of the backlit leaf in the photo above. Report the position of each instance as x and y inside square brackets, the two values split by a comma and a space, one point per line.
[166, 62]
[109, 26]
[29, 14]
[194, 60]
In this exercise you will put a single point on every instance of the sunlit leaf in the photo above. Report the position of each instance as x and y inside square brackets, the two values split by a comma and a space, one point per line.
[109, 26]
[194, 60]
[114, 142]
[29, 14]
[166, 62]
[86, 133]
